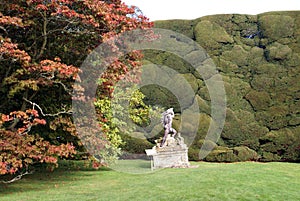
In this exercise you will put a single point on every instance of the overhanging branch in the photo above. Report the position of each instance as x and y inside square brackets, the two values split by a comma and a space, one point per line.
[69, 112]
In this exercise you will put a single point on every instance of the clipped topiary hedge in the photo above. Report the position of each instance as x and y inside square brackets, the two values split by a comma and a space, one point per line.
[258, 57]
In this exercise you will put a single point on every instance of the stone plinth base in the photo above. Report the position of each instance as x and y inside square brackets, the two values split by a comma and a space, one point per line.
[174, 155]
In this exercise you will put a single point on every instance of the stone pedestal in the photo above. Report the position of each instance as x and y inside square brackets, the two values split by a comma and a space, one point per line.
[174, 154]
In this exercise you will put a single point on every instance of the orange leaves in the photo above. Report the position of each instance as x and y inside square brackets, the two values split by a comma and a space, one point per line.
[39, 121]
[22, 150]
[10, 51]
[96, 164]
[28, 119]
[23, 115]
[18, 151]
[64, 10]
[3, 168]
[62, 70]
[6, 118]
[33, 112]
[65, 123]
[63, 150]
[41, 7]
[7, 20]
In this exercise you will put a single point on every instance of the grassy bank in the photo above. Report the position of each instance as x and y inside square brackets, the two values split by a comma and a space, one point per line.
[209, 181]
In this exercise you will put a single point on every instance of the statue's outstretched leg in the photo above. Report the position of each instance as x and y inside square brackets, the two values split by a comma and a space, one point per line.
[165, 137]
[173, 131]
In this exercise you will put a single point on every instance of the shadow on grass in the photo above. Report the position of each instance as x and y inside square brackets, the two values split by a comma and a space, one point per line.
[42, 177]
[136, 166]
[69, 172]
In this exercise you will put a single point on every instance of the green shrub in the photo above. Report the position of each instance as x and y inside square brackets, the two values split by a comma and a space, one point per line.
[278, 51]
[204, 123]
[269, 157]
[157, 95]
[262, 83]
[221, 154]
[204, 106]
[275, 117]
[211, 36]
[193, 154]
[276, 26]
[181, 26]
[268, 70]
[135, 145]
[281, 143]
[245, 154]
[256, 57]
[237, 55]
[236, 154]
[204, 144]
[260, 100]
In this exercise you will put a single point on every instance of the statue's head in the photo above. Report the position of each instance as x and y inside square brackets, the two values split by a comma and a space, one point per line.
[170, 110]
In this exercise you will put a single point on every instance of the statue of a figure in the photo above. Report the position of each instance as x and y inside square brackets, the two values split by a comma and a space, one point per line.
[167, 118]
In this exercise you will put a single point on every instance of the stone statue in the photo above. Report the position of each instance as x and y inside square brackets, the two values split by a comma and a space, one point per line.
[167, 118]
[171, 151]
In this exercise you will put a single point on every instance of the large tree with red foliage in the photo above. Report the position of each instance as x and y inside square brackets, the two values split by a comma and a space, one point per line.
[42, 45]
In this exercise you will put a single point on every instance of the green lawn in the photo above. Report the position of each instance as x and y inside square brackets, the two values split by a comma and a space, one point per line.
[209, 181]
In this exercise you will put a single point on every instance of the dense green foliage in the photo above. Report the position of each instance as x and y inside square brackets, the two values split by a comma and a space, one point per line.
[259, 60]
[124, 113]
[210, 181]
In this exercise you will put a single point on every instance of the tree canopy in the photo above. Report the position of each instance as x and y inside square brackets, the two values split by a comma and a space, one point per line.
[42, 45]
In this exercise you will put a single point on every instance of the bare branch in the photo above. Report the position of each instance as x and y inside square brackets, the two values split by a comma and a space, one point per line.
[44, 35]
[18, 177]
[2, 28]
[51, 77]
[26, 131]
[41, 110]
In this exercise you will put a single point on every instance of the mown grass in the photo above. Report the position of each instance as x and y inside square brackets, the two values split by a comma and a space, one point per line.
[209, 181]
